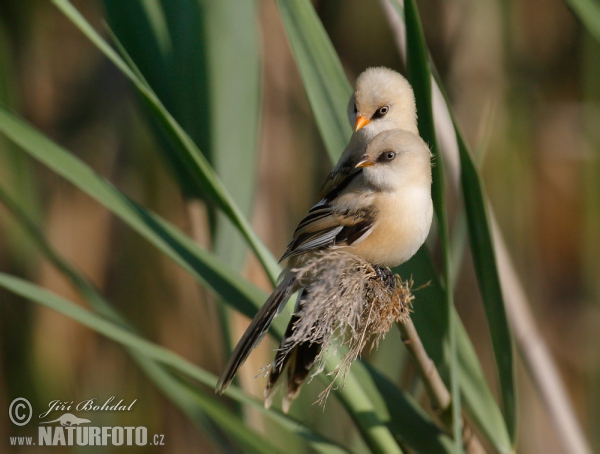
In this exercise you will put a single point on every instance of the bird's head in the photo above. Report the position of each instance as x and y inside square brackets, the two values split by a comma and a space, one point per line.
[395, 158]
[383, 100]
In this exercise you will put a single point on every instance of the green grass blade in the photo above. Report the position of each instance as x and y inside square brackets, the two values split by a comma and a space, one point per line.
[487, 274]
[489, 283]
[208, 45]
[430, 317]
[192, 55]
[188, 65]
[326, 84]
[197, 404]
[140, 32]
[167, 358]
[420, 78]
[197, 51]
[406, 419]
[199, 168]
[180, 394]
[372, 422]
[207, 269]
[588, 12]
[484, 258]
[148, 36]
[234, 49]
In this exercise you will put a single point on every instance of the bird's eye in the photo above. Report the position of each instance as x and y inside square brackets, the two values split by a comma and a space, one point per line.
[355, 108]
[387, 156]
[380, 112]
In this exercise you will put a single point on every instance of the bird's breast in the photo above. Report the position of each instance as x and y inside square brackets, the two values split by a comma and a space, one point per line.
[402, 225]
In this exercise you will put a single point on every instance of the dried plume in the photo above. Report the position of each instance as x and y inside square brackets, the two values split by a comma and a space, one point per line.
[348, 302]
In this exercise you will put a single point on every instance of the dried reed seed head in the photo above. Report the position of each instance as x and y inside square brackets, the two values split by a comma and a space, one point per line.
[347, 301]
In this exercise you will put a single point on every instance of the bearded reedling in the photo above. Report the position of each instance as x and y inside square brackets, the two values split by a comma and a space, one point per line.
[381, 213]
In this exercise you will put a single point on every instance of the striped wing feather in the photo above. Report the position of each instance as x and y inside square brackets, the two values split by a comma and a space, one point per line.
[328, 224]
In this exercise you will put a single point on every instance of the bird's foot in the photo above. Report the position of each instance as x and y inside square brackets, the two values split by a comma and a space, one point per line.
[386, 276]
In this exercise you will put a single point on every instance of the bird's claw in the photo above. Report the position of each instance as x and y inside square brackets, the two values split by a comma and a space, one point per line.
[386, 276]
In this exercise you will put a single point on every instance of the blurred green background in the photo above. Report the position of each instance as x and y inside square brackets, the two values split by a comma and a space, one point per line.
[524, 80]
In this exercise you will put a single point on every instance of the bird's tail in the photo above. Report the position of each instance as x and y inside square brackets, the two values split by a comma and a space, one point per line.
[299, 361]
[257, 329]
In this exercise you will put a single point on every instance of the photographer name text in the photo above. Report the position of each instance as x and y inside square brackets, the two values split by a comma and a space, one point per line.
[89, 405]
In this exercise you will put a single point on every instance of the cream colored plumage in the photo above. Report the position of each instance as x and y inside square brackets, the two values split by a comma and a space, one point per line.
[376, 89]
[381, 212]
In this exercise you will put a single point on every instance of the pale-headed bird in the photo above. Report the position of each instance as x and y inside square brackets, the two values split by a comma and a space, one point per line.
[382, 100]
[381, 212]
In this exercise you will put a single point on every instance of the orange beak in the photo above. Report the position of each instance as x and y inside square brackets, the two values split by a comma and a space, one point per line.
[361, 122]
[364, 162]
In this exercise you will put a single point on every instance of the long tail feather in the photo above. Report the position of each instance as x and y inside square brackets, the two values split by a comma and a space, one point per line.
[299, 360]
[302, 362]
[257, 329]
[282, 357]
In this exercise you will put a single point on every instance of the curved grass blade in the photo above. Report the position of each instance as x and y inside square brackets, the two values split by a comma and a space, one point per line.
[483, 253]
[420, 78]
[588, 12]
[165, 357]
[141, 28]
[191, 54]
[231, 38]
[171, 387]
[203, 266]
[484, 258]
[374, 424]
[429, 317]
[419, 432]
[326, 84]
[233, 48]
[193, 160]
[487, 277]
[199, 406]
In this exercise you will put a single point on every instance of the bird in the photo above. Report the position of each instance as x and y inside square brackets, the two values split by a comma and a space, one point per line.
[381, 212]
[382, 100]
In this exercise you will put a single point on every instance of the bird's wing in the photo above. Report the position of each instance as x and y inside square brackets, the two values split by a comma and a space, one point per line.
[332, 223]
[336, 177]
[345, 167]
